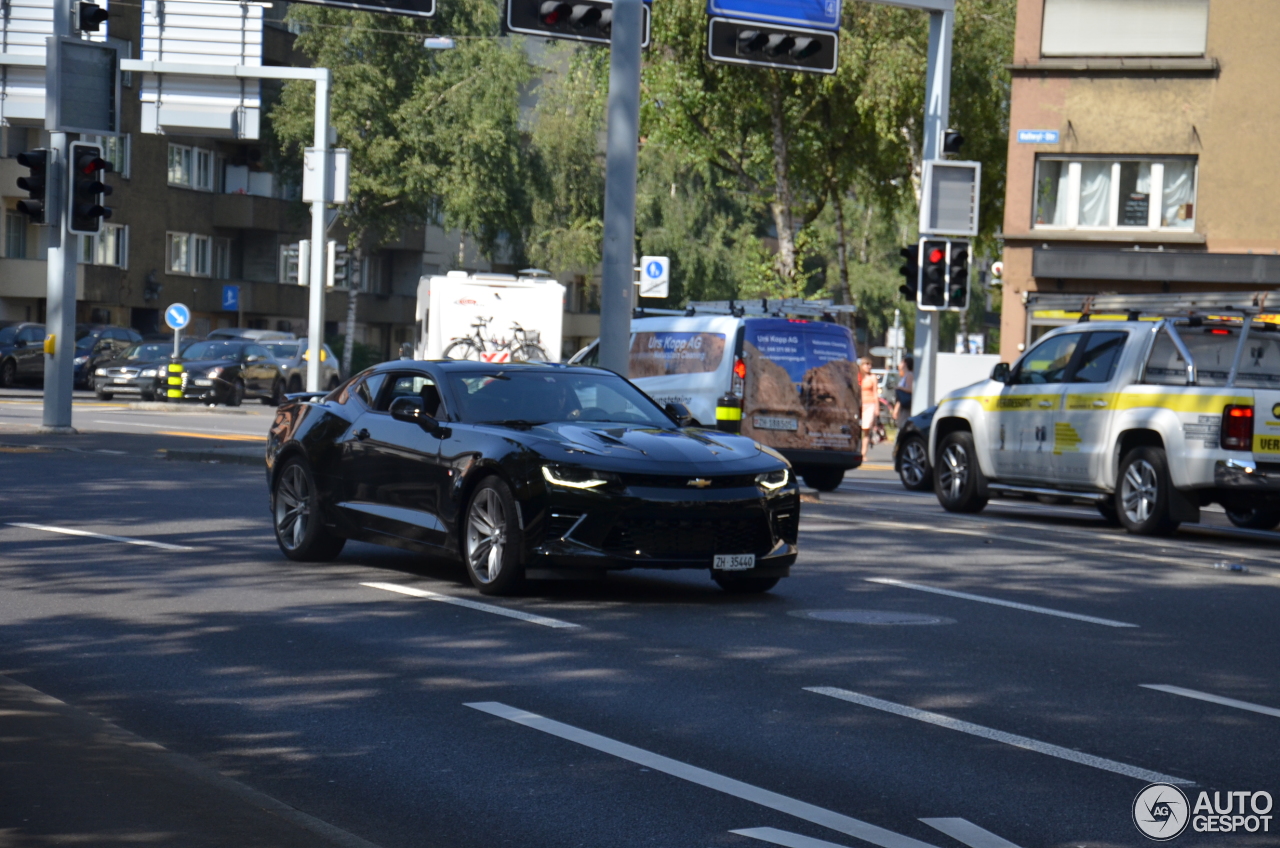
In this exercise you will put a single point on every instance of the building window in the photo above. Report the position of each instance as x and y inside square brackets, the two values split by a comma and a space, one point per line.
[179, 253]
[289, 264]
[109, 247]
[200, 256]
[1110, 193]
[15, 235]
[1124, 28]
[179, 165]
[222, 258]
[203, 177]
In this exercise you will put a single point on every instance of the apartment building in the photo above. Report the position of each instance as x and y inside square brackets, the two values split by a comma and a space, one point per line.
[1139, 152]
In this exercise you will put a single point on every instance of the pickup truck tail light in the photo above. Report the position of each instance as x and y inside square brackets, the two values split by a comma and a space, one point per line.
[1237, 428]
[737, 385]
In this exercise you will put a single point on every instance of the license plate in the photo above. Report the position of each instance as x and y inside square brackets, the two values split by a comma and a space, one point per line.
[761, 422]
[202, 382]
[734, 562]
[120, 380]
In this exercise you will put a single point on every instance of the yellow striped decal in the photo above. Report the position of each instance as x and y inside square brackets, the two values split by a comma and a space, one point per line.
[1265, 444]
[1065, 439]
[1188, 402]
[728, 413]
[1015, 403]
[1175, 402]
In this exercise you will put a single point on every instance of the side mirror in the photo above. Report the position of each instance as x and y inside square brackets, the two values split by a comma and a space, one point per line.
[680, 413]
[1001, 372]
[409, 410]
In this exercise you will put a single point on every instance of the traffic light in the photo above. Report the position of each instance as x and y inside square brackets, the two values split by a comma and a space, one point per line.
[932, 294]
[89, 16]
[576, 20]
[769, 46]
[35, 184]
[86, 189]
[958, 276]
[910, 270]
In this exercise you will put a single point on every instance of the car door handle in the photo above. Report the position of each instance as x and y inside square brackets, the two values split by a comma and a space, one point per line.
[362, 434]
[1099, 403]
[1046, 403]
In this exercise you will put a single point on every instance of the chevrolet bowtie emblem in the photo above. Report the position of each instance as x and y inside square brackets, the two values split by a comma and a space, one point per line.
[699, 483]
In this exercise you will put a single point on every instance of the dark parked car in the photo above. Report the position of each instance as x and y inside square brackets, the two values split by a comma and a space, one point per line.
[95, 344]
[21, 353]
[524, 468]
[141, 369]
[911, 452]
[216, 371]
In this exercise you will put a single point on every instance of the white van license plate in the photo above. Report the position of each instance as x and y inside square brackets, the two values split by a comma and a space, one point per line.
[734, 562]
[761, 422]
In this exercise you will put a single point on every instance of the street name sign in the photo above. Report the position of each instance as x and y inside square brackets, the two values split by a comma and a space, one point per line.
[1037, 136]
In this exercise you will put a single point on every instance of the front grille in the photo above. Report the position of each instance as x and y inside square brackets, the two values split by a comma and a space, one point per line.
[681, 481]
[688, 537]
[786, 525]
[559, 524]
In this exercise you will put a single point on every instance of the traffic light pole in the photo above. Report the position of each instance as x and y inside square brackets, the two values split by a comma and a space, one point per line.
[618, 273]
[936, 112]
[315, 311]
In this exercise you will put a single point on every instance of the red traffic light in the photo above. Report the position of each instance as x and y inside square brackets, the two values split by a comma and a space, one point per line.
[553, 12]
[936, 255]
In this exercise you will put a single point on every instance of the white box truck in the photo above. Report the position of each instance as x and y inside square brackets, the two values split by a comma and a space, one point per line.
[489, 318]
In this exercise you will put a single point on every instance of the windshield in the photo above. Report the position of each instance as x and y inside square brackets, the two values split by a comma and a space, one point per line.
[7, 335]
[214, 350]
[282, 350]
[537, 397]
[148, 352]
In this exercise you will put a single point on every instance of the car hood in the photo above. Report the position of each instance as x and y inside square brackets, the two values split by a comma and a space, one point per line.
[132, 363]
[206, 364]
[640, 448]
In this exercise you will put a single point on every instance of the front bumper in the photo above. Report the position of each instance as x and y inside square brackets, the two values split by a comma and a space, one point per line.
[129, 386]
[1246, 474]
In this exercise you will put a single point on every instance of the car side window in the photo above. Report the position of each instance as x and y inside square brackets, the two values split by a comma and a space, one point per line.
[1048, 361]
[367, 389]
[1100, 358]
[412, 385]
[31, 334]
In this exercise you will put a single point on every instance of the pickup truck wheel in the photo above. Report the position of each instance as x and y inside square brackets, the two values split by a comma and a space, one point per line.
[1264, 517]
[957, 480]
[1142, 498]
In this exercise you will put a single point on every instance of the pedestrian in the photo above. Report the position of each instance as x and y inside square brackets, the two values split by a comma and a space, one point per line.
[902, 394]
[870, 401]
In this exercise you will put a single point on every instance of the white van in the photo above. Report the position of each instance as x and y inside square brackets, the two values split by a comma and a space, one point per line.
[789, 383]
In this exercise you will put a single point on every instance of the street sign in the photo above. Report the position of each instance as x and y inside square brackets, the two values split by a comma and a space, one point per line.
[655, 275]
[177, 316]
[83, 81]
[410, 8]
[1037, 136]
[819, 14]
[230, 298]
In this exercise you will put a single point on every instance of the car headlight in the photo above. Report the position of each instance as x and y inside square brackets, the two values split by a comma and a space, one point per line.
[150, 372]
[99, 372]
[214, 373]
[772, 480]
[81, 360]
[575, 478]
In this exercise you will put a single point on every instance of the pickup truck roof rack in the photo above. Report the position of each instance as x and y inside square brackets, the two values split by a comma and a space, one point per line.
[780, 308]
[1171, 305]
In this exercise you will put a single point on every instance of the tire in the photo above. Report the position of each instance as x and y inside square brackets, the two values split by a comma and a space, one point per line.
[492, 540]
[298, 518]
[1107, 509]
[1142, 496]
[276, 396]
[8, 374]
[101, 395]
[822, 479]
[913, 465]
[739, 584]
[295, 385]
[958, 481]
[1264, 517]
[236, 394]
[462, 349]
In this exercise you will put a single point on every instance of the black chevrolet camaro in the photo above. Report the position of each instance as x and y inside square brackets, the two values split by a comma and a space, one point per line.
[524, 469]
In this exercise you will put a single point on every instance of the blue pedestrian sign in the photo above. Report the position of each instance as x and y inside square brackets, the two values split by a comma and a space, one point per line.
[230, 298]
[655, 274]
[819, 14]
[177, 316]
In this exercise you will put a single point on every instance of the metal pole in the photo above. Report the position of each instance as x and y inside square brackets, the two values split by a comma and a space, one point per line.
[936, 113]
[618, 273]
[315, 314]
[177, 343]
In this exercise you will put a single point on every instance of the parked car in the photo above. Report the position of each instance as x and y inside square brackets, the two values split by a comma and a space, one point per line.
[95, 344]
[246, 334]
[911, 452]
[21, 353]
[293, 359]
[141, 369]
[218, 371]
[519, 469]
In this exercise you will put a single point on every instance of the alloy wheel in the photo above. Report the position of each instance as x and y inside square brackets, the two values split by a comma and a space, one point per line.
[953, 472]
[486, 535]
[293, 506]
[914, 462]
[1138, 491]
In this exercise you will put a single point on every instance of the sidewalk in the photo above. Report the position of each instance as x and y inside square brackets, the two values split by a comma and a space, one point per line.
[69, 778]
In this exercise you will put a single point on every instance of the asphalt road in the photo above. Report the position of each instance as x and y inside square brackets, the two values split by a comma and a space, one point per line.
[1002, 696]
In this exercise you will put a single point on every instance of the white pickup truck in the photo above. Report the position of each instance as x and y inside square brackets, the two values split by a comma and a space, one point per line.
[1149, 420]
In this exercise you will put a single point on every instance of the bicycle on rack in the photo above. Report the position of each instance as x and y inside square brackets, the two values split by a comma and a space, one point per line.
[523, 346]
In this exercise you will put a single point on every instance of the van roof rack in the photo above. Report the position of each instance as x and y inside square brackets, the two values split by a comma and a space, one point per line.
[1171, 305]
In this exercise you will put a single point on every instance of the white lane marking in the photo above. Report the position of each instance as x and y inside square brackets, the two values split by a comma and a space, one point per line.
[745, 791]
[475, 605]
[67, 531]
[1213, 699]
[998, 736]
[889, 581]
[784, 837]
[176, 426]
[968, 833]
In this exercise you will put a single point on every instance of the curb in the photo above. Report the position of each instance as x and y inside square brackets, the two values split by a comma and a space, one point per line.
[159, 406]
[228, 456]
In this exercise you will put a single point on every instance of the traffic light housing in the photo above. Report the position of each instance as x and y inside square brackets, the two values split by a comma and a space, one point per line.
[958, 276]
[932, 294]
[89, 16]
[86, 189]
[772, 46]
[575, 20]
[35, 184]
[910, 270]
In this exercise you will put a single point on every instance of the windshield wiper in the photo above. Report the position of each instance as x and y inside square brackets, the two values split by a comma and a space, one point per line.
[515, 422]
